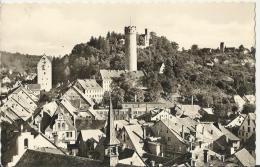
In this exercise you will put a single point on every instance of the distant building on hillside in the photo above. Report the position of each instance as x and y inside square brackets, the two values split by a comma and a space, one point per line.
[221, 47]
[130, 48]
[44, 73]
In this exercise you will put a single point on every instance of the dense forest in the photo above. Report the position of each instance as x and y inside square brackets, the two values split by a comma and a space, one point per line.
[210, 77]
[19, 62]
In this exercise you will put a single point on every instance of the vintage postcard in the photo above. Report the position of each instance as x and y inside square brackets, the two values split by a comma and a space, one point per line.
[128, 84]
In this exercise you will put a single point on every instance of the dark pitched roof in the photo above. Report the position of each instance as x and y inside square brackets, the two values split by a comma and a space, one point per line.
[126, 153]
[157, 159]
[33, 158]
[250, 143]
[84, 124]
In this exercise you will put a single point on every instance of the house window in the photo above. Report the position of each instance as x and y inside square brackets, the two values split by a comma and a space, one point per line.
[248, 129]
[248, 121]
[58, 125]
[63, 125]
[25, 143]
[254, 129]
[243, 128]
[246, 134]
[169, 139]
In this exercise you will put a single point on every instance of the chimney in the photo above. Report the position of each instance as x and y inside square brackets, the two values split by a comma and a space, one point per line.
[182, 131]
[152, 163]
[192, 100]
[223, 158]
[39, 127]
[21, 127]
[56, 139]
[205, 156]
[144, 132]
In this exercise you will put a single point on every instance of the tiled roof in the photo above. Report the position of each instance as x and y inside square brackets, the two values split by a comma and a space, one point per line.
[34, 86]
[32, 158]
[227, 133]
[237, 121]
[252, 116]
[89, 83]
[135, 133]
[250, 98]
[50, 108]
[68, 106]
[208, 110]
[109, 74]
[84, 124]
[245, 158]
[126, 153]
[85, 97]
[189, 110]
[95, 134]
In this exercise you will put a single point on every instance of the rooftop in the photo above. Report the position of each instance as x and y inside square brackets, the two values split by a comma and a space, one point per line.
[245, 158]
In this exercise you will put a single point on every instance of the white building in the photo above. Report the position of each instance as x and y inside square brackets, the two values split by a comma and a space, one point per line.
[91, 89]
[130, 48]
[44, 73]
[247, 128]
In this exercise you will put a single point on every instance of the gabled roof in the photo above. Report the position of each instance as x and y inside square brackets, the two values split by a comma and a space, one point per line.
[32, 158]
[68, 106]
[250, 98]
[89, 84]
[191, 111]
[84, 124]
[50, 108]
[34, 86]
[237, 122]
[245, 158]
[239, 101]
[95, 134]
[84, 97]
[227, 133]
[135, 133]
[208, 110]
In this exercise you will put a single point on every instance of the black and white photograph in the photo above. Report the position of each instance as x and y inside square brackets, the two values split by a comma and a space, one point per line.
[118, 84]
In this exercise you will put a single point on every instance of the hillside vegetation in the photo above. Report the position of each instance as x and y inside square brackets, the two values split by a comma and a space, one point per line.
[211, 78]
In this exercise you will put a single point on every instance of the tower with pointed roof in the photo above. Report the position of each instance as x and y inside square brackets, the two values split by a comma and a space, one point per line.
[44, 73]
[111, 143]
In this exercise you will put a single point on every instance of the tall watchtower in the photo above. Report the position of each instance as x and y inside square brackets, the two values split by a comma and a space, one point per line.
[130, 48]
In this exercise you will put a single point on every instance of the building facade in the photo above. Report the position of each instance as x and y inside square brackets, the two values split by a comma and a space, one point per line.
[44, 73]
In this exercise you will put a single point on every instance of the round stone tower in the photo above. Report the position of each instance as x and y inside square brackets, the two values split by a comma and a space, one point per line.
[130, 48]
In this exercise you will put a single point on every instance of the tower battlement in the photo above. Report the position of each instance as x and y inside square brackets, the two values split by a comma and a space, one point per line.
[130, 29]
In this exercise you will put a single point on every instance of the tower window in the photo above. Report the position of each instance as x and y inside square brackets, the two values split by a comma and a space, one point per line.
[25, 143]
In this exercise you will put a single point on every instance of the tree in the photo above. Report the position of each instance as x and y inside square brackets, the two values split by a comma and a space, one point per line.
[241, 48]
[248, 108]
[194, 49]
[134, 95]
[117, 96]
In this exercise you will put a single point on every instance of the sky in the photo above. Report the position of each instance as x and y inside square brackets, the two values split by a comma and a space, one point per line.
[53, 29]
